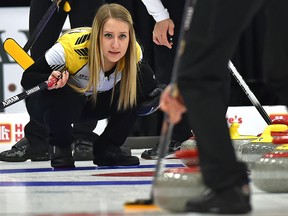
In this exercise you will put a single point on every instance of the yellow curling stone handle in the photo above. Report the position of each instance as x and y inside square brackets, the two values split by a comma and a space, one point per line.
[266, 135]
[234, 134]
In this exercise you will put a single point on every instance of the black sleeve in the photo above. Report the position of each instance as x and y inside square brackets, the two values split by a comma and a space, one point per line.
[36, 73]
[146, 80]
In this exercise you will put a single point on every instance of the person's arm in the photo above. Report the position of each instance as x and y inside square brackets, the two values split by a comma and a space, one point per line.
[36, 73]
[156, 9]
[41, 70]
[164, 25]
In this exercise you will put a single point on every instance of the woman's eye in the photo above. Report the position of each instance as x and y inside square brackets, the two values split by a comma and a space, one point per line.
[123, 36]
[108, 35]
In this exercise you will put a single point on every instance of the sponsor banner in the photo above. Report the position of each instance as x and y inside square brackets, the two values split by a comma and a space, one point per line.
[250, 120]
[12, 128]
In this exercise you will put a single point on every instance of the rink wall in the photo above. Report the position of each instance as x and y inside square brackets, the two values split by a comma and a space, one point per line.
[251, 123]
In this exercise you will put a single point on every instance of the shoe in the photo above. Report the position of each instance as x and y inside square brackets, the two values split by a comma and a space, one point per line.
[230, 201]
[62, 157]
[22, 151]
[114, 156]
[152, 154]
[126, 150]
[82, 150]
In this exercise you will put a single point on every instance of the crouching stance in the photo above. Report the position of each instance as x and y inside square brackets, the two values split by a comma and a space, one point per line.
[98, 74]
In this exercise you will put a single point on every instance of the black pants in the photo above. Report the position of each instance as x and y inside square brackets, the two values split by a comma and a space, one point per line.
[164, 61]
[82, 14]
[204, 83]
[58, 114]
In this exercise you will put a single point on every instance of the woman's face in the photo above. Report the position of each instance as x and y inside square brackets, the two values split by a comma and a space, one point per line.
[115, 41]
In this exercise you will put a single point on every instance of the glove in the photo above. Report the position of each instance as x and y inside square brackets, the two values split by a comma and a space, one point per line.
[151, 105]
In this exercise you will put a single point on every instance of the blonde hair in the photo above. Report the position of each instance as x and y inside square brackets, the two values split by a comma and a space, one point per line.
[127, 65]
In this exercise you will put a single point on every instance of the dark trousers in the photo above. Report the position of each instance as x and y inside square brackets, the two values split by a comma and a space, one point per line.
[82, 14]
[204, 82]
[164, 61]
[57, 114]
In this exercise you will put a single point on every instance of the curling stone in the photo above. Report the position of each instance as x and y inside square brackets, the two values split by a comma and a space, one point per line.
[187, 160]
[270, 172]
[189, 157]
[250, 152]
[280, 140]
[281, 133]
[176, 186]
[280, 121]
[282, 144]
[237, 139]
[189, 144]
[281, 148]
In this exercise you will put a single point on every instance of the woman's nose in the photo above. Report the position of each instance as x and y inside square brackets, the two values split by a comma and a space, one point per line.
[115, 43]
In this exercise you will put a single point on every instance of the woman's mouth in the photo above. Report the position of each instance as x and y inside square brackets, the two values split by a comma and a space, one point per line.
[114, 53]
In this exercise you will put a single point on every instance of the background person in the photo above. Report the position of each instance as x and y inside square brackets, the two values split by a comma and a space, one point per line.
[167, 22]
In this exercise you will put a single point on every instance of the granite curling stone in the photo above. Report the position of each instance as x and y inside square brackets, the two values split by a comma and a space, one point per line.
[176, 186]
[282, 144]
[281, 148]
[281, 133]
[186, 158]
[237, 139]
[250, 152]
[270, 172]
[282, 141]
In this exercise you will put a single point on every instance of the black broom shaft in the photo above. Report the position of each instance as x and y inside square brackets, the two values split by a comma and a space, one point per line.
[43, 22]
[15, 99]
[23, 95]
[249, 93]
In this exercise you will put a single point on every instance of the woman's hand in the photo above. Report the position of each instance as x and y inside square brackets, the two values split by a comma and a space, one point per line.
[171, 102]
[57, 79]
